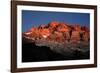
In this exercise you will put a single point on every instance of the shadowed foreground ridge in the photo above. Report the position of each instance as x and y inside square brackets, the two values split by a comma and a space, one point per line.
[55, 41]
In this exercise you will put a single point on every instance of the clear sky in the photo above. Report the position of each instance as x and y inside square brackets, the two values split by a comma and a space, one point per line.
[35, 18]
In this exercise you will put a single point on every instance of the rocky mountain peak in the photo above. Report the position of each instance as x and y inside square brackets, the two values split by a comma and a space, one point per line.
[58, 31]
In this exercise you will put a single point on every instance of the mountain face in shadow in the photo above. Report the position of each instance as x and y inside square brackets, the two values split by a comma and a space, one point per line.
[55, 41]
[33, 53]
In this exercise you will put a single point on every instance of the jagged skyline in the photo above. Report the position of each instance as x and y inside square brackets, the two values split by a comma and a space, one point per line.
[56, 30]
[36, 18]
[59, 37]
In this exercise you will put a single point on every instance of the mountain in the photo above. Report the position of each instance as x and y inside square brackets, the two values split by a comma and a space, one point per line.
[61, 38]
[59, 32]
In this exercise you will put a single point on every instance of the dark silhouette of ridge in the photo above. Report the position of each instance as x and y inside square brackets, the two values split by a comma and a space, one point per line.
[73, 40]
[33, 53]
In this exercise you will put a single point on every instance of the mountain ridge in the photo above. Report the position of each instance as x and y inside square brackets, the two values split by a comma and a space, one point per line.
[59, 32]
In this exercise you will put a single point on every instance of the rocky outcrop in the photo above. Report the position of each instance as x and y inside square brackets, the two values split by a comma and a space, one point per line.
[59, 30]
[61, 37]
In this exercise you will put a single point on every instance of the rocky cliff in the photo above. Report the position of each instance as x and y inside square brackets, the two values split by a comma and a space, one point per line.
[60, 37]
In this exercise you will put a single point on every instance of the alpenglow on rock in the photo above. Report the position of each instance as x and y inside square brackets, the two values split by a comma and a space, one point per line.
[60, 37]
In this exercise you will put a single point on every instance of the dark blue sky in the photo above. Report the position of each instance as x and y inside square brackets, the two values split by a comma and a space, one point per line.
[35, 18]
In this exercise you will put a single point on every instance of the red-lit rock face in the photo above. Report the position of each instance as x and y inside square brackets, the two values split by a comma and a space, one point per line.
[53, 24]
[59, 35]
[59, 32]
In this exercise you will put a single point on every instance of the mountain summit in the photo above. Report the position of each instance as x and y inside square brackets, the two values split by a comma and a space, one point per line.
[59, 32]
[61, 37]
